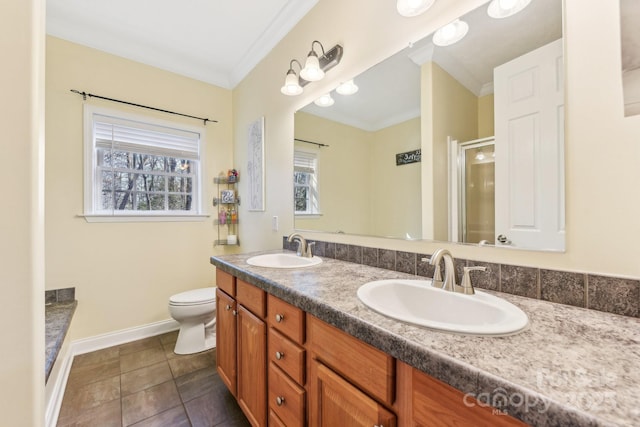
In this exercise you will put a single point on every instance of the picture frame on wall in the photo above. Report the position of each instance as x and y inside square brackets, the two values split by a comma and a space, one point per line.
[255, 165]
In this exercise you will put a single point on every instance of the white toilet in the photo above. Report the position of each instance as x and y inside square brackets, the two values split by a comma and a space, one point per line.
[195, 310]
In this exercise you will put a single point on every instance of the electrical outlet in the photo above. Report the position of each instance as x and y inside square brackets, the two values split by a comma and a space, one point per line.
[274, 223]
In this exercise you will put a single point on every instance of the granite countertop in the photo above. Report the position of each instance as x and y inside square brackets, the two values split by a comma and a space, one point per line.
[57, 320]
[572, 366]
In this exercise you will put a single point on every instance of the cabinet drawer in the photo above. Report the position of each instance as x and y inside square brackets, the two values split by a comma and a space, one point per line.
[438, 404]
[286, 398]
[226, 282]
[253, 298]
[287, 355]
[287, 319]
[372, 370]
[274, 421]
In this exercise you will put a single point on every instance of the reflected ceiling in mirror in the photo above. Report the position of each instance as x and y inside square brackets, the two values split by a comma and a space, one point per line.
[359, 188]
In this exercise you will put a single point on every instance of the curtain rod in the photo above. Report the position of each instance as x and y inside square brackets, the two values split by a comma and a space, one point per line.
[311, 142]
[90, 95]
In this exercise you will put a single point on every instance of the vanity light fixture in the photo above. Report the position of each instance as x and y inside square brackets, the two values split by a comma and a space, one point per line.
[411, 8]
[451, 33]
[504, 8]
[291, 82]
[314, 69]
[324, 101]
[347, 88]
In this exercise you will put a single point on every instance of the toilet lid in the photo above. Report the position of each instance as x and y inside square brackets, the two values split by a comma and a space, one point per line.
[194, 296]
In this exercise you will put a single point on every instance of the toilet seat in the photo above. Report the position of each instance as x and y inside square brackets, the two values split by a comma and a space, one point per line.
[194, 297]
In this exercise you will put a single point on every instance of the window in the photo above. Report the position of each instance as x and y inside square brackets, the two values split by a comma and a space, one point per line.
[305, 183]
[135, 167]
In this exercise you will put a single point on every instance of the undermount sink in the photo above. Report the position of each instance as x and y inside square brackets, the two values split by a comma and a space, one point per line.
[417, 302]
[283, 261]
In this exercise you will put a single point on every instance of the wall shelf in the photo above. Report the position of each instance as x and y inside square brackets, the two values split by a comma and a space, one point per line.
[226, 201]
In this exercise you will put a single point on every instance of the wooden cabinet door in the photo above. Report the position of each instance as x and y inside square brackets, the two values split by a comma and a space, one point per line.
[335, 402]
[226, 329]
[252, 367]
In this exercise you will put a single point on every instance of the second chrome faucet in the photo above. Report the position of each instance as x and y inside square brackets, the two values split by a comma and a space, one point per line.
[449, 282]
[304, 247]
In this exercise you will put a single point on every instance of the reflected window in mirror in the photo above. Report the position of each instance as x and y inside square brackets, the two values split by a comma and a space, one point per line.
[305, 183]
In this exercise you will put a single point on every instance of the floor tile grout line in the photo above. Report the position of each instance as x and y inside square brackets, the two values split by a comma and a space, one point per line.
[166, 357]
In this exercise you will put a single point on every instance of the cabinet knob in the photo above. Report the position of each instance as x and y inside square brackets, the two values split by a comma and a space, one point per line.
[279, 355]
[235, 312]
[227, 307]
[280, 401]
[279, 317]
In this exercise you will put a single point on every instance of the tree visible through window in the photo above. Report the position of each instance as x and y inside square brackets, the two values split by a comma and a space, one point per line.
[144, 182]
[305, 183]
[142, 168]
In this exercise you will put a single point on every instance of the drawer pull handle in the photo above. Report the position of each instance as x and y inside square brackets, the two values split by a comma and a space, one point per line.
[279, 317]
[280, 401]
[279, 355]
[227, 307]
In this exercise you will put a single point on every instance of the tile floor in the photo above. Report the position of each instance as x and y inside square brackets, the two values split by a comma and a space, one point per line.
[144, 383]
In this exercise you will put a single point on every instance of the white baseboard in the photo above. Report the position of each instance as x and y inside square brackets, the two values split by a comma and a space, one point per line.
[90, 344]
[123, 336]
[55, 387]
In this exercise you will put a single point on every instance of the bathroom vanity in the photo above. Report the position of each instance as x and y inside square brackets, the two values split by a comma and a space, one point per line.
[296, 347]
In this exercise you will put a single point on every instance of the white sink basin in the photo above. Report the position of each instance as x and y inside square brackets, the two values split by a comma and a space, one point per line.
[417, 302]
[283, 261]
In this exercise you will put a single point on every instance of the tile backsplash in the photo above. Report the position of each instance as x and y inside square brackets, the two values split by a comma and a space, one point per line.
[604, 293]
[59, 295]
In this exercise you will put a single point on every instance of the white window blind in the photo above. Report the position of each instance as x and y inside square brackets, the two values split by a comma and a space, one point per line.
[304, 161]
[127, 135]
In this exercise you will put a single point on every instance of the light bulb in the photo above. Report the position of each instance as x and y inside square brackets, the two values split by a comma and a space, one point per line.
[324, 101]
[451, 33]
[504, 8]
[507, 4]
[347, 88]
[311, 71]
[411, 8]
[291, 86]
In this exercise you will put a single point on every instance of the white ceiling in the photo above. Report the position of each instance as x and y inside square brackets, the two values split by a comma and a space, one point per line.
[215, 41]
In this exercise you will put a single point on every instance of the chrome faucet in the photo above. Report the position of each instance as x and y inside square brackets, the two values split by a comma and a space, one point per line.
[304, 248]
[449, 281]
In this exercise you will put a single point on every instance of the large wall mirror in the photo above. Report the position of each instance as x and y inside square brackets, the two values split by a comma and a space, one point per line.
[461, 143]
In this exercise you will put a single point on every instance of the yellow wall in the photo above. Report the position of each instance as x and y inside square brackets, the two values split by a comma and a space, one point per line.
[485, 116]
[22, 213]
[123, 273]
[603, 219]
[454, 114]
[395, 201]
[343, 171]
